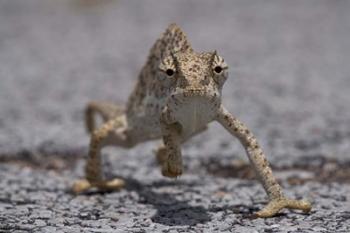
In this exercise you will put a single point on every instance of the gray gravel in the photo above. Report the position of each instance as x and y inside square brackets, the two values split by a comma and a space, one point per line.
[290, 81]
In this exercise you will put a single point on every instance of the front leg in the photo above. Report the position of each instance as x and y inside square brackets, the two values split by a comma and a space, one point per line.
[172, 164]
[261, 166]
[171, 158]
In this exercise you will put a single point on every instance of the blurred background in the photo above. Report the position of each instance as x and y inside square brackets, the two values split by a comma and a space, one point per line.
[289, 72]
[289, 78]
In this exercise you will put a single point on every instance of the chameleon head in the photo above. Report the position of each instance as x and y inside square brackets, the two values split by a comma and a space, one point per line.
[194, 82]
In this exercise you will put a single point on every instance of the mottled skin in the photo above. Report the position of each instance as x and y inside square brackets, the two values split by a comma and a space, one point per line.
[177, 95]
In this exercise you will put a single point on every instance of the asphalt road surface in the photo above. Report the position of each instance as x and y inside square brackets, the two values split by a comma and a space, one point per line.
[289, 82]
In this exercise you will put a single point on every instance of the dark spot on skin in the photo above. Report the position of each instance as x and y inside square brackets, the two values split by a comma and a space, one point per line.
[196, 67]
[265, 162]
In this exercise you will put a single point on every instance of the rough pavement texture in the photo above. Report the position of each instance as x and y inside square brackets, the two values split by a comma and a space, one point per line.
[290, 80]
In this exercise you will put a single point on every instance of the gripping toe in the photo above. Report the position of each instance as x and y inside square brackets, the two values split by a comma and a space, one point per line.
[274, 206]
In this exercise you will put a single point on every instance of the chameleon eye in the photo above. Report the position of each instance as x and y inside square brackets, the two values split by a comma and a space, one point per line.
[170, 72]
[218, 69]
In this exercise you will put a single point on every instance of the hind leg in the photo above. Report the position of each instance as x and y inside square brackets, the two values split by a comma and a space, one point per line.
[111, 133]
[106, 110]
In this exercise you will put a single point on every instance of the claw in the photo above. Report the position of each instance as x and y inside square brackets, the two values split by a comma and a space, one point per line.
[83, 185]
[80, 186]
[171, 174]
[113, 184]
[274, 206]
[171, 171]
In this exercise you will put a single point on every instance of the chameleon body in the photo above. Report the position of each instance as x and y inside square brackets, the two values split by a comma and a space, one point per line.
[178, 93]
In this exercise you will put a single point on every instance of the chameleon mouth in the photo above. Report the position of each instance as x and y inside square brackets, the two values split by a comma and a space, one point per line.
[203, 97]
[198, 93]
[194, 92]
[186, 93]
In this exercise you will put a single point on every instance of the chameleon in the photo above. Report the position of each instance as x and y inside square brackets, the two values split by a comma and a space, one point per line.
[177, 94]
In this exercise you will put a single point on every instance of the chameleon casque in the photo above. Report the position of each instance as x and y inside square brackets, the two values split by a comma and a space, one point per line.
[178, 93]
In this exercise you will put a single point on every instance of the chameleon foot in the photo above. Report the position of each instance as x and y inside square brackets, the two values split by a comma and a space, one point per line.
[83, 185]
[274, 206]
[171, 170]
